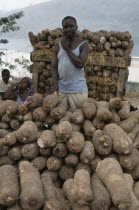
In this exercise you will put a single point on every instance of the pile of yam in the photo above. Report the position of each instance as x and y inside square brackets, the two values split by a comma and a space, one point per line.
[106, 68]
[56, 159]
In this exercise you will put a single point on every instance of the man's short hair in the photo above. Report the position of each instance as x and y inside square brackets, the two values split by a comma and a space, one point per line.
[69, 17]
[5, 71]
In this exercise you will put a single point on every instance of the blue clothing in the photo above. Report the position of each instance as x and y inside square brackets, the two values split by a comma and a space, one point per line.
[71, 78]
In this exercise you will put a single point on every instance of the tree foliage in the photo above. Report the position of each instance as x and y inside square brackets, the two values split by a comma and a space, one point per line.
[8, 24]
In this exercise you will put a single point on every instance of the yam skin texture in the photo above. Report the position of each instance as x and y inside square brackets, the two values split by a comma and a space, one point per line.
[17, 206]
[75, 143]
[5, 160]
[67, 192]
[85, 166]
[5, 118]
[35, 101]
[101, 196]
[28, 116]
[122, 143]
[110, 173]
[129, 161]
[136, 141]
[4, 150]
[95, 162]
[134, 172]
[66, 172]
[47, 139]
[63, 130]
[39, 163]
[76, 127]
[128, 124]
[103, 111]
[124, 111]
[45, 151]
[50, 194]
[89, 128]
[39, 114]
[77, 116]
[89, 108]
[3, 133]
[136, 189]
[12, 109]
[30, 150]
[59, 111]
[28, 132]
[116, 103]
[14, 124]
[19, 117]
[115, 117]
[71, 160]
[50, 101]
[134, 200]
[4, 105]
[9, 186]
[4, 125]
[15, 153]
[52, 174]
[53, 127]
[60, 150]
[102, 143]
[49, 121]
[134, 132]
[54, 163]
[10, 139]
[88, 152]
[31, 196]
[23, 108]
[99, 124]
[66, 117]
[81, 189]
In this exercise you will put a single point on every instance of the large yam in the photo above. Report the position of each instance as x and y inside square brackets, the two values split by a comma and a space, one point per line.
[111, 174]
[50, 194]
[81, 189]
[9, 186]
[28, 132]
[75, 143]
[101, 196]
[47, 139]
[31, 196]
[122, 143]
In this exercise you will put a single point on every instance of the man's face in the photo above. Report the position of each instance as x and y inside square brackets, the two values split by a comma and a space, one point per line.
[5, 76]
[69, 28]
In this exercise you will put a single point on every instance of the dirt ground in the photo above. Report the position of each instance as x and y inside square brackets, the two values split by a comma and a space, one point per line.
[133, 97]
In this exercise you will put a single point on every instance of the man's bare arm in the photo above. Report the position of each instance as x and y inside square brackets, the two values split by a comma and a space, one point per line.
[54, 68]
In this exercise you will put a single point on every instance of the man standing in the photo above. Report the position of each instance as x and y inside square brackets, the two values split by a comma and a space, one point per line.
[4, 83]
[69, 58]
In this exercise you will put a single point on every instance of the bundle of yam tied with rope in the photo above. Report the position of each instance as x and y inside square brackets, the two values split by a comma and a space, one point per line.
[54, 159]
[106, 67]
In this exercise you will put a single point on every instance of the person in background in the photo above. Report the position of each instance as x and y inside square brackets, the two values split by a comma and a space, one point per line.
[69, 58]
[5, 83]
[20, 91]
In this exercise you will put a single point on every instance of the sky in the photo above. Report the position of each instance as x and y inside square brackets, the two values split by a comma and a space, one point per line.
[18, 4]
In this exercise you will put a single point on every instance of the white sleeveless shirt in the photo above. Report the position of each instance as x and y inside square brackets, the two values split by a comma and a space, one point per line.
[71, 78]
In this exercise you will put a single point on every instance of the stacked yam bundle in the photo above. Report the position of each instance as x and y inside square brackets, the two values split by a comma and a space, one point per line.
[106, 68]
[58, 159]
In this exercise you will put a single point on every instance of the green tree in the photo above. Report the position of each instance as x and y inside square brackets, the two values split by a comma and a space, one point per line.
[8, 24]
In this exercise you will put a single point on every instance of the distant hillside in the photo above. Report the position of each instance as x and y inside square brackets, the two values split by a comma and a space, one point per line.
[119, 15]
